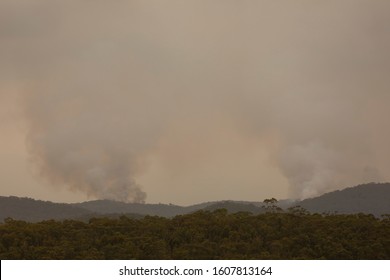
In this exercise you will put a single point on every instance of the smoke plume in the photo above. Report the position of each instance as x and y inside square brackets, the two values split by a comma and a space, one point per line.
[107, 86]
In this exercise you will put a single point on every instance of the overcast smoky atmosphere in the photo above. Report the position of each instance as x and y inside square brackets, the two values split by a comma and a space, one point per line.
[190, 101]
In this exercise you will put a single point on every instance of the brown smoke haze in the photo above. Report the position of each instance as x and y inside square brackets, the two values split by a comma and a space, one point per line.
[126, 97]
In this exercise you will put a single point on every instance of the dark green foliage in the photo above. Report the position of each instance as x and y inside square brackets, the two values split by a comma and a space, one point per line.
[201, 235]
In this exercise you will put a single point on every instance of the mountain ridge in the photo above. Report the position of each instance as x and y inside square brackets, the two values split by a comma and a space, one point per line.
[371, 198]
[352, 200]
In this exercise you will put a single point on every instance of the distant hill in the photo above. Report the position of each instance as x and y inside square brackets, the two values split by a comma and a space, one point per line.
[234, 207]
[368, 198]
[31, 210]
[372, 198]
[165, 210]
[110, 207]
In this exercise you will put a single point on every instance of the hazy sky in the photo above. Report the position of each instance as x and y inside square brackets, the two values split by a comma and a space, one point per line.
[191, 101]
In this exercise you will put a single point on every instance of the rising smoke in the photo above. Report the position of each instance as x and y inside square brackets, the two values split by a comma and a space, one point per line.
[104, 82]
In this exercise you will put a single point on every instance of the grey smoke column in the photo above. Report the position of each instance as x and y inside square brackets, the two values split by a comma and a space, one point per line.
[75, 144]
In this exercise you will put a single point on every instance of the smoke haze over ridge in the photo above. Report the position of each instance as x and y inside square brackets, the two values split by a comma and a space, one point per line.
[272, 92]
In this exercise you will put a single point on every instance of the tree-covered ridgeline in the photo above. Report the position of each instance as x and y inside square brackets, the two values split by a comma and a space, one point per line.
[295, 234]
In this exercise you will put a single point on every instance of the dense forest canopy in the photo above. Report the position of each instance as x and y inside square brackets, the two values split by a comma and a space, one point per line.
[293, 234]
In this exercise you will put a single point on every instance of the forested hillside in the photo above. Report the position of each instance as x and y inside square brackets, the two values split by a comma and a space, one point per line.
[32, 210]
[368, 198]
[202, 235]
[373, 198]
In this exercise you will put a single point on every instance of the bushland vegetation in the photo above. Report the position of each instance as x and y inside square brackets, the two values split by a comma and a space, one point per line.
[276, 234]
